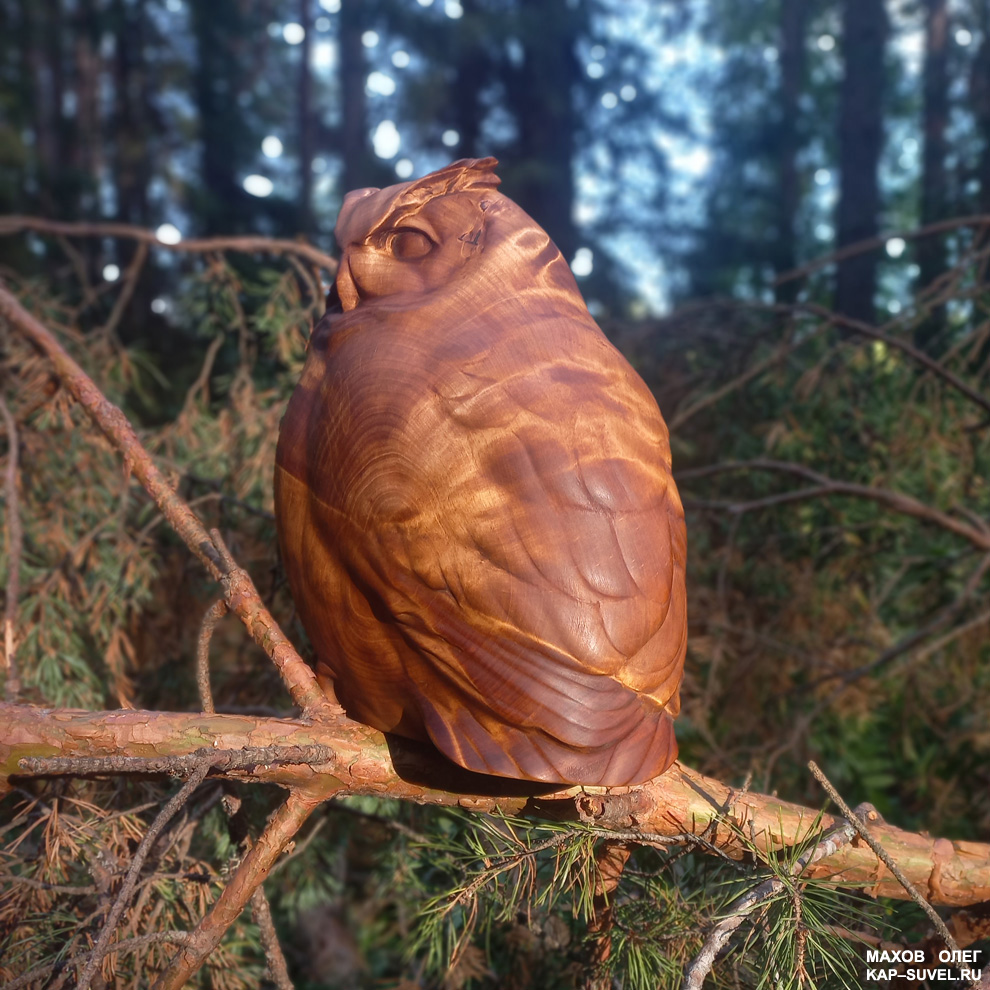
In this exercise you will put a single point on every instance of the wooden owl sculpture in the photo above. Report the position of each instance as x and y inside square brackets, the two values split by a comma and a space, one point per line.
[474, 497]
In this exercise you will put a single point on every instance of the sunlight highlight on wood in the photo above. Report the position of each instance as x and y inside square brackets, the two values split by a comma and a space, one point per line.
[474, 497]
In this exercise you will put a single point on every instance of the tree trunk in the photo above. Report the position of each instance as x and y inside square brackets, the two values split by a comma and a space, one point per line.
[305, 118]
[865, 30]
[793, 22]
[132, 165]
[979, 93]
[87, 30]
[541, 99]
[355, 149]
[215, 26]
[472, 71]
[934, 201]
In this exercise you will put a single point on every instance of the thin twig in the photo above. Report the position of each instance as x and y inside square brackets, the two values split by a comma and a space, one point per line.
[681, 416]
[218, 759]
[215, 613]
[942, 618]
[56, 888]
[202, 382]
[253, 869]
[884, 856]
[828, 319]
[15, 543]
[78, 263]
[868, 330]
[831, 841]
[13, 224]
[824, 485]
[277, 968]
[131, 276]
[130, 881]
[45, 971]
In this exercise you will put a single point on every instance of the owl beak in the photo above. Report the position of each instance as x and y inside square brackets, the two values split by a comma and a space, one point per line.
[347, 291]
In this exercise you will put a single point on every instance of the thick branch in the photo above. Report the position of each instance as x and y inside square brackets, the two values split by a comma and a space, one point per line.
[680, 802]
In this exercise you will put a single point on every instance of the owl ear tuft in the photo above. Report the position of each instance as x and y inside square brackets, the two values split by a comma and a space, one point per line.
[365, 210]
[460, 176]
[465, 173]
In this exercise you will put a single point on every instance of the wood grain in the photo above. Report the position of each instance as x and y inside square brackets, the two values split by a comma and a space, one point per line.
[474, 498]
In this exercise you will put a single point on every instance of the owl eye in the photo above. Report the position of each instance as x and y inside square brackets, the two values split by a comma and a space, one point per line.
[408, 244]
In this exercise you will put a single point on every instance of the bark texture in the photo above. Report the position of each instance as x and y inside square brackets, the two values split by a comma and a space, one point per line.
[681, 802]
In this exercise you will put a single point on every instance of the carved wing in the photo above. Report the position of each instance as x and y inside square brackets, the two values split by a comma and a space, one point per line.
[495, 549]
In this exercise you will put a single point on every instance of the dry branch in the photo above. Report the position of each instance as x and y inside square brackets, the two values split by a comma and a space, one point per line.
[241, 595]
[127, 888]
[872, 243]
[823, 485]
[681, 802]
[857, 820]
[916, 354]
[14, 224]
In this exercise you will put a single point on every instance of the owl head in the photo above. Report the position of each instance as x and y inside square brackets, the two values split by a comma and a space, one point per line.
[428, 235]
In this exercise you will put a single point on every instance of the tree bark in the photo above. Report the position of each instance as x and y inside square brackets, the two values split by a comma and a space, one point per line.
[934, 201]
[541, 99]
[355, 149]
[793, 23]
[681, 802]
[472, 71]
[865, 30]
[979, 94]
[305, 119]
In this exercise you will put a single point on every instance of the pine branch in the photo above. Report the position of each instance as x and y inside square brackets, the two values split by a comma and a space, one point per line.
[680, 803]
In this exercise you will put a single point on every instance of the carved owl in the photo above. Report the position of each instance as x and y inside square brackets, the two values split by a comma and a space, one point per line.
[474, 498]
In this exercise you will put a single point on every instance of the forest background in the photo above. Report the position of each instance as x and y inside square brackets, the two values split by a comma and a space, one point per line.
[778, 210]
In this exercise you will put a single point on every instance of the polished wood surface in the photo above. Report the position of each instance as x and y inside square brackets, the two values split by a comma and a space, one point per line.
[474, 497]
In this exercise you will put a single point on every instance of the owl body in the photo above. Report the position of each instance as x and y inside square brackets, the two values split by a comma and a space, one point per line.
[474, 498]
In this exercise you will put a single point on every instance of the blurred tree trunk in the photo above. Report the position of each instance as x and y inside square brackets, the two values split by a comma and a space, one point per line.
[793, 23]
[133, 165]
[50, 27]
[216, 26]
[934, 201]
[305, 110]
[472, 70]
[43, 111]
[541, 100]
[87, 30]
[979, 92]
[358, 160]
[864, 32]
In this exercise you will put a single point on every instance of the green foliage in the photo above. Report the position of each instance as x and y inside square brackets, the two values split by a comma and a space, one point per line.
[828, 625]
